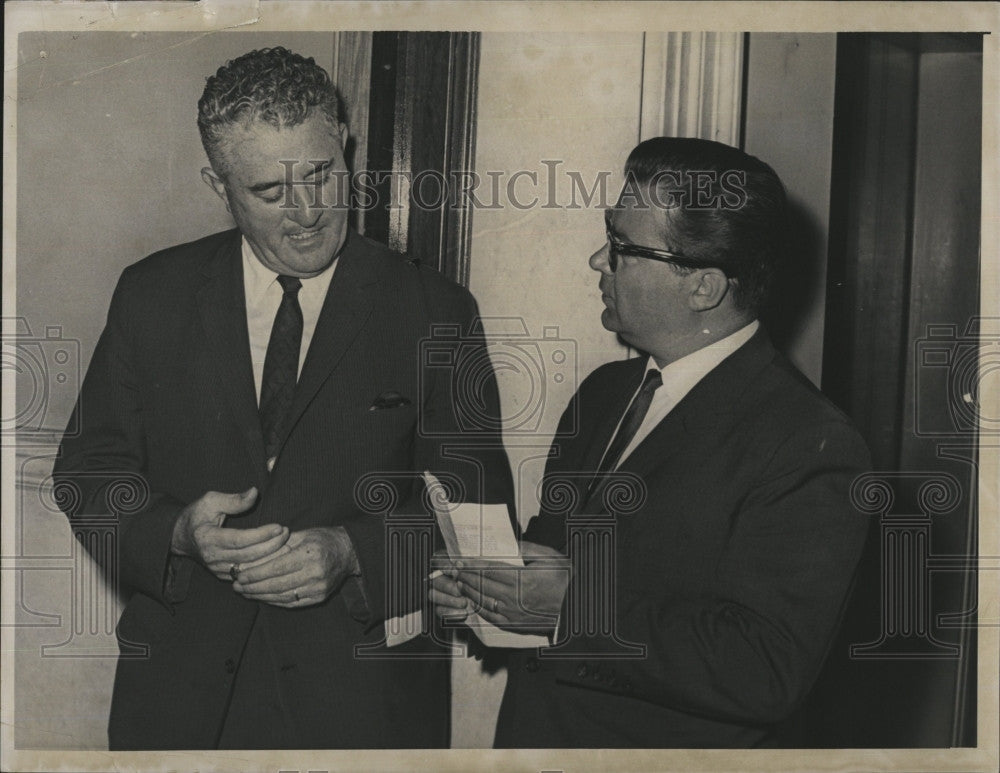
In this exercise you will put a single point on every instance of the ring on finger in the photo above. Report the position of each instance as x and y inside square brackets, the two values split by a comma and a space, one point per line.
[296, 593]
[234, 571]
[495, 606]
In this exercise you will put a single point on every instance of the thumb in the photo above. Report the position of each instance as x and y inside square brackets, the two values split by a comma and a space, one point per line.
[236, 504]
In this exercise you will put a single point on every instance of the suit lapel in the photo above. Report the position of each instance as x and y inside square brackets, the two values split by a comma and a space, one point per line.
[346, 309]
[612, 413]
[708, 408]
[222, 308]
[604, 429]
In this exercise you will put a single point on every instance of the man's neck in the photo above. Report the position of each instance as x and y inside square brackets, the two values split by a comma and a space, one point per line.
[675, 347]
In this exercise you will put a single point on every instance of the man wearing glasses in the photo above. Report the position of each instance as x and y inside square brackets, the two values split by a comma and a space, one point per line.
[696, 540]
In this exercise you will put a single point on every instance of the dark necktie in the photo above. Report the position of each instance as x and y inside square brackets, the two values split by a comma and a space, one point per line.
[630, 425]
[281, 364]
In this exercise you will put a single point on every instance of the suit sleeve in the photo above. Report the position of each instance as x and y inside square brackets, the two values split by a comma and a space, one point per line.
[456, 439]
[749, 647]
[100, 469]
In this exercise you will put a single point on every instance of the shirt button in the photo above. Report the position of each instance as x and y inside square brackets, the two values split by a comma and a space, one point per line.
[230, 666]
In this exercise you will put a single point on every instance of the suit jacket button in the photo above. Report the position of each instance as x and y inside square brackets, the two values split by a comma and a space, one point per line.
[230, 666]
[627, 684]
[582, 671]
[531, 666]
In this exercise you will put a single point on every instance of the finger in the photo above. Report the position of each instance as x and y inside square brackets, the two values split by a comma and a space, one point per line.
[502, 574]
[488, 585]
[475, 595]
[264, 559]
[492, 608]
[446, 585]
[296, 593]
[257, 553]
[497, 618]
[451, 602]
[288, 599]
[238, 539]
[281, 565]
[231, 504]
[231, 564]
[277, 583]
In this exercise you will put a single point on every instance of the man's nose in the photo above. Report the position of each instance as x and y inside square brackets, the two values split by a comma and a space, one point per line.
[304, 213]
[599, 260]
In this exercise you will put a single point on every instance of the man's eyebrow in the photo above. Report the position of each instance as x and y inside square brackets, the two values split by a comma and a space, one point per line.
[318, 168]
[258, 187]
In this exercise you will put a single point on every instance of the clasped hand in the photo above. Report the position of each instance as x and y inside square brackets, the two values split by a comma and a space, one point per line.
[521, 599]
[268, 563]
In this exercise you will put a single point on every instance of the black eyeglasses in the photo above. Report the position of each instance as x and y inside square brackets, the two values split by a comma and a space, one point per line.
[618, 248]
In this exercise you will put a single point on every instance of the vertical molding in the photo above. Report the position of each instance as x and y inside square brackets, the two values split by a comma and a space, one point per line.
[692, 85]
[352, 67]
[407, 92]
[460, 152]
[422, 114]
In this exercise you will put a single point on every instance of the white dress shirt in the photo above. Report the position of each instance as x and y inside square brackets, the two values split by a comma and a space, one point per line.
[263, 296]
[679, 378]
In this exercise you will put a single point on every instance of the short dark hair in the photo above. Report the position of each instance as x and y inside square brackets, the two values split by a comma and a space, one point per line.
[735, 216]
[272, 85]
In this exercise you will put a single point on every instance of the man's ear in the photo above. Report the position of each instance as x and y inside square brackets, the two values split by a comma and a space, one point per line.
[213, 181]
[710, 287]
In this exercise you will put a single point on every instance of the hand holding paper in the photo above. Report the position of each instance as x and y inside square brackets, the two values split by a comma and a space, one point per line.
[520, 599]
[485, 581]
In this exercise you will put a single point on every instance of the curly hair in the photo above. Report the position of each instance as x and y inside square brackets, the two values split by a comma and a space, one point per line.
[272, 85]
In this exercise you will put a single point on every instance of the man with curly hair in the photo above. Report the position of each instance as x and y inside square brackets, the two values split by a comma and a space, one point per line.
[256, 381]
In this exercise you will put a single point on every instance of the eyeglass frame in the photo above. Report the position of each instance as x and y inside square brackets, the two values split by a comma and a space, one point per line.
[617, 247]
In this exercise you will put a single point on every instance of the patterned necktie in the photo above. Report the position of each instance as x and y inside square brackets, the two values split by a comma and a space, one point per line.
[281, 365]
[626, 430]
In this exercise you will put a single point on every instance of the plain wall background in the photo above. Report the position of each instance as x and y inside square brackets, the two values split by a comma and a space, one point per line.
[108, 171]
[789, 124]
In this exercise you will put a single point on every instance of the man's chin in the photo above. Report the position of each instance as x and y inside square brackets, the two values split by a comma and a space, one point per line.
[610, 321]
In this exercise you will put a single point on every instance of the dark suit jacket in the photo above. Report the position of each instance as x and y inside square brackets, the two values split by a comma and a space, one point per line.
[731, 567]
[169, 401]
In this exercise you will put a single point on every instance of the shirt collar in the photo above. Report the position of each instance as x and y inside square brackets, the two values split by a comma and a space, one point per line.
[680, 376]
[258, 278]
